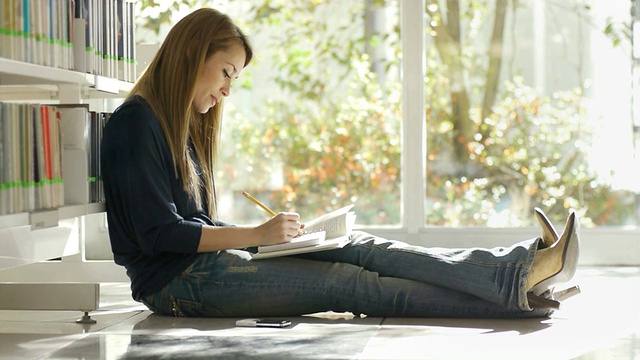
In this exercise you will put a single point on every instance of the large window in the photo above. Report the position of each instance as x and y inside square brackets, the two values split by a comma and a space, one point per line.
[431, 113]
[528, 104]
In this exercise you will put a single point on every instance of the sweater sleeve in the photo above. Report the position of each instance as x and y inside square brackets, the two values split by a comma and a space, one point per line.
[147, 209]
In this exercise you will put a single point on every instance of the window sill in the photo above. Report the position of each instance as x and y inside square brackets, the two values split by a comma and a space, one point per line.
[604, 246]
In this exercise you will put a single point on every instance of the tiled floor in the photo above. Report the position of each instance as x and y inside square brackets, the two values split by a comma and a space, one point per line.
[601, 323]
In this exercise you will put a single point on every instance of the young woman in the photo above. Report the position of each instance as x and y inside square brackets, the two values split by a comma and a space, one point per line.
[158, 155]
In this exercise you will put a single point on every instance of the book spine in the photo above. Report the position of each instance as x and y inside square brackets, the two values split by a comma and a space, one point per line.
[20, 165]
[17, 30]
[105, 34]
[132, 43]
[69, 32]
[25, 32]
[3, 30]
[99, 10]
[26, 148]
[3, 170]
[53, 31]
[120, 42]
[47, 23]
[90, 157]
[42, 21]
[32, 36]
[79, 38]
[12, 182]
[3, 161]
[38, 162]
[58, 175]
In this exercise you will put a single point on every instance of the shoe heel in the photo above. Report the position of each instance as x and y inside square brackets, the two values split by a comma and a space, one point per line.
[565, 294]
[540, 302]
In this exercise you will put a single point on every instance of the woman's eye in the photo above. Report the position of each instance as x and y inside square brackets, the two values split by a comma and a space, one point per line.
[226, 74]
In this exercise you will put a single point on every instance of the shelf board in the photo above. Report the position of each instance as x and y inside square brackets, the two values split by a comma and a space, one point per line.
[14, 220]
[49, 217]
[25, 93]
[48, 74]
[14, 72]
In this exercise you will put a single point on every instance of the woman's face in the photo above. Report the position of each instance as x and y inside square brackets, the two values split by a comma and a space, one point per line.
[215, 81]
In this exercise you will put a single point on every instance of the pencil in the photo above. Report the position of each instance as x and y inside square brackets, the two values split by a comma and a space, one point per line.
[248, 196]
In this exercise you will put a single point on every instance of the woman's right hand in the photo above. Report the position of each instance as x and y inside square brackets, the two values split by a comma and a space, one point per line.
[279, 229]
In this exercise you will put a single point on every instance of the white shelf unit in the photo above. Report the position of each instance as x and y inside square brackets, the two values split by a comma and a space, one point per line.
[29, 241]
[47, 82]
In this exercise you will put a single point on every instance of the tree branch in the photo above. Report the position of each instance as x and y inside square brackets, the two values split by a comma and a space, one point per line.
[495, 58]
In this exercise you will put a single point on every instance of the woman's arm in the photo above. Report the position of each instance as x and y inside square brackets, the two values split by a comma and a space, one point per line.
[280, 228]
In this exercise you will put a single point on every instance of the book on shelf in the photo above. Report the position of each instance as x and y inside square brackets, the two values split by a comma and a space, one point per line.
[49, 156]
[326, 232]
[89, 36]
[30, 158]
[96, 128]
[77, 149]
[37, 32]
[82, 130]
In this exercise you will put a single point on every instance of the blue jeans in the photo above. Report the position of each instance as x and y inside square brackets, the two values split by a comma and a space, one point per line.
[371, 276]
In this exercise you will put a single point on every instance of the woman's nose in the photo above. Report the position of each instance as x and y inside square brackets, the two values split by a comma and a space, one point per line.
[226, 89]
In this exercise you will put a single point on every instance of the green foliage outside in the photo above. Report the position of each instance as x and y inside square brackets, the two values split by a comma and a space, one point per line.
[334, 124]
[330, 122]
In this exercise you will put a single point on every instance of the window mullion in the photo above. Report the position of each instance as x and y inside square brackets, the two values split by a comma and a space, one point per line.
[413, 124]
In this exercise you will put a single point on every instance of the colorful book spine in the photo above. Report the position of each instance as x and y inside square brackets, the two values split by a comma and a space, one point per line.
[92, 36]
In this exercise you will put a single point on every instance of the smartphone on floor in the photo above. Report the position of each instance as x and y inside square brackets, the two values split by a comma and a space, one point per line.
[277, 323]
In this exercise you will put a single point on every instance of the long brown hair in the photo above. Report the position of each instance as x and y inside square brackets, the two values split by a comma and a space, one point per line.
[168, 85]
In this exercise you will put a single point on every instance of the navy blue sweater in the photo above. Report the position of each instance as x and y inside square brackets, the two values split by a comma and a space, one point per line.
[154, 225]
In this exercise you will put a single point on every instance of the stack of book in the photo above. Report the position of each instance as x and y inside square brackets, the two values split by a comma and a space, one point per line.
[49, 156]
[30, 158]
[91, 36]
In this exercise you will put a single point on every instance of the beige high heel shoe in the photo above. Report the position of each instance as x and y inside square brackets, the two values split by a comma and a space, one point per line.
[554, 264]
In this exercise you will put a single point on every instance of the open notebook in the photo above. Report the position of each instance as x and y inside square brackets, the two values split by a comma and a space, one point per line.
[329, 231]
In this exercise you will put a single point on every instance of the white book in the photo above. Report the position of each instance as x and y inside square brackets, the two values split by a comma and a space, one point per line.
[326, 232]
[16, 26]
[38, 15]
[79, 47]
[4, 183]
[57, 153]
[75, 120]
[47, 26]
[304, 240]
[29, 173]
[75, 126]
[89, 43]
[76, 177]
[7, 134]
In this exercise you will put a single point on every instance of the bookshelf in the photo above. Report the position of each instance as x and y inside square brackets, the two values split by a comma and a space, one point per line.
[42, 262]
[29, 240]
